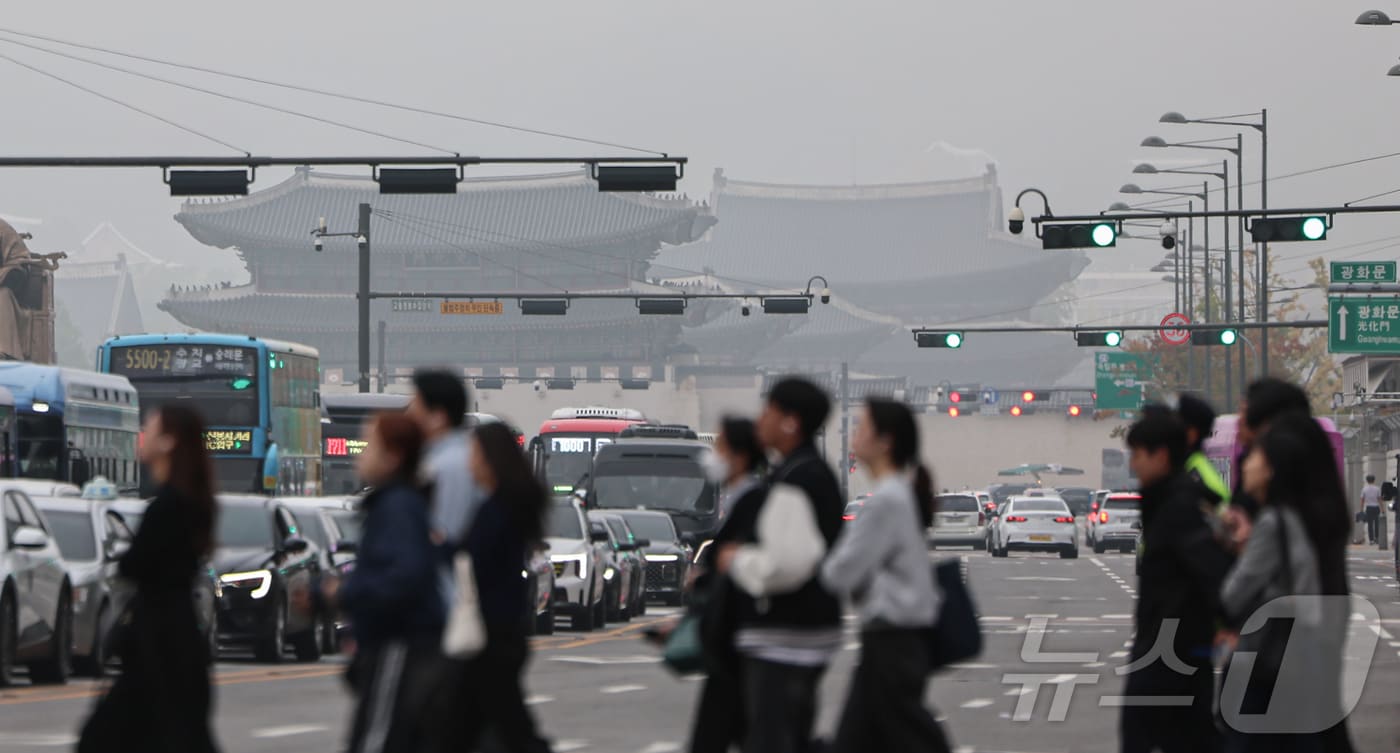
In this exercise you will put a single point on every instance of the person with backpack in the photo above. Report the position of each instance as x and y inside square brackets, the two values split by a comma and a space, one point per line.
[880, 564]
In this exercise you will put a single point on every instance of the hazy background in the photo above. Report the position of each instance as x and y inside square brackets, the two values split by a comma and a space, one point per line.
[1057, 94]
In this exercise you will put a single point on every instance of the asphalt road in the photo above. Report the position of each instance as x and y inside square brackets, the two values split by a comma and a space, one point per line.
[606, 691]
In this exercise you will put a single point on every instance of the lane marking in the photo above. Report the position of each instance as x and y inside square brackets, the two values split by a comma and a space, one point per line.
[973, 666]
[536, 700]
[978, 703]
[564, 746]
[38, 740]
[1118, 654]
[1117, 617]
[604, 660]
[289, 730]
[619, 689]
[661, 747]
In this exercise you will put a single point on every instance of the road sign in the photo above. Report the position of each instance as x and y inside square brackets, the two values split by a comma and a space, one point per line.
[1363, 325]
[1363, 271]
[414, 305]
[1170, 333]
[489, 308]
[1119, 379]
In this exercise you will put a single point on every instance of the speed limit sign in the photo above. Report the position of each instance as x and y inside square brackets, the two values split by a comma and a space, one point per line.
[1171, 328]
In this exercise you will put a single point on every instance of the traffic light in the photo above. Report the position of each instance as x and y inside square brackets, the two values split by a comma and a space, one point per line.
[1266, 229]
[1226, 337]
[955, 397]
[1107, 339]
[1075, 411]
[938, 339]
[953, 412]
[1079, 235]
[1016, 410]
[1027, 397]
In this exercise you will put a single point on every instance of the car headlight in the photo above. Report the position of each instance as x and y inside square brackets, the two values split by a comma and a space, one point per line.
[701, 551]
[663, 557]
[580, 561]
[262, 579]
[80, 596]
[609, 573]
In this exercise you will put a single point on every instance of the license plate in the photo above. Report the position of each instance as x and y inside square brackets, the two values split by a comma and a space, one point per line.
[1040, 537]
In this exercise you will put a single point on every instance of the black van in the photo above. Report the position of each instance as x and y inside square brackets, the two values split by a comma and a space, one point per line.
[661, 474]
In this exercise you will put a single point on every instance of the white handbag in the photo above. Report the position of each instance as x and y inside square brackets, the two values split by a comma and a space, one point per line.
[465, 634]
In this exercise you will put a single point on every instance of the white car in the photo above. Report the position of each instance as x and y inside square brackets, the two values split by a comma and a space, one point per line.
[1035, 524]
[36, 596]
[579, 587]
[958, 520]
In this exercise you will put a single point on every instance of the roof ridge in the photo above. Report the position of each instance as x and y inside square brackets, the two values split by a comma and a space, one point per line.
[725, 186]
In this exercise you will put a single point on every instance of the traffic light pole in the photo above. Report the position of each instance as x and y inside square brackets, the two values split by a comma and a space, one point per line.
[363, 297]
[1263, 283]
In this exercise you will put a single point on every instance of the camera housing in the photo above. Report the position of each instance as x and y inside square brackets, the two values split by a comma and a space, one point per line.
[1168, 233]
[318, 244]
[1016, 221]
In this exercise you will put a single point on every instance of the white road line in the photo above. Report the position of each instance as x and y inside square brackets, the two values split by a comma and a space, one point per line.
[1395, 644]
[978, 703]
[1046, 616]
[973, 666]
[38, 739]
[564, 746]
[1118, 654]
[1094, 665]
[1081, 619]
[601, 660]
[617, 689]
[536, 700]
[1097, 561]
[660, 747]
[1020, 691]
[852, 646]
[288, 730]
[1117, 617]
[985, 618]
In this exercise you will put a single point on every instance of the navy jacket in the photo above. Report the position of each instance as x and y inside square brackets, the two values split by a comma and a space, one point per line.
[497, 546]
[393, 591]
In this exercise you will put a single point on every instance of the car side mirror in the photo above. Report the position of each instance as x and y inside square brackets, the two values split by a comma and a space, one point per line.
[598, 537]
[641, 543]
[117, 548]
[295, 545]
[346, 546]
[29, 537]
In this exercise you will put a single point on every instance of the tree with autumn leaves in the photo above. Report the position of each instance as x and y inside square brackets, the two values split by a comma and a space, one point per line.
[1298, 355]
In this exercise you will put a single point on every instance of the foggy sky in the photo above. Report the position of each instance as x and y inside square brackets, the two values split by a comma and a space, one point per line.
[1058, 94]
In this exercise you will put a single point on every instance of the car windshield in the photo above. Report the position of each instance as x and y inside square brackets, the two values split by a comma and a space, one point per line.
[564, 469]
[309, 521]
[1038, 505]
[957, 503]
[655, 527]
[1122, 503]
[349, 524]
[854, 507]
[1074, 497]
[652, 485]
[73, 529]
[563, 523]
[244, 527]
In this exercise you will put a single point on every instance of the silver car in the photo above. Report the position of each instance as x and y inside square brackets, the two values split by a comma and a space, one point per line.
[36, 608]
[577, 556]
[1035, 524]
[1115, 524]
[958, 520]
[92, 539]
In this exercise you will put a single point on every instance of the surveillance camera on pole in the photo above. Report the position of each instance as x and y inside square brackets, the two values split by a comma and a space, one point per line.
[1168, 233]
[1016, 221]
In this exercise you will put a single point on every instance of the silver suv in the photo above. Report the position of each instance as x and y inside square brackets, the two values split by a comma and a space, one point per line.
[959, 520]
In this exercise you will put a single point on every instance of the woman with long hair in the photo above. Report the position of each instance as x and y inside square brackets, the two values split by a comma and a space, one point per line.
[161, 700]
[510, 519]
[1296, 548]
[880, 564]
[391, 597]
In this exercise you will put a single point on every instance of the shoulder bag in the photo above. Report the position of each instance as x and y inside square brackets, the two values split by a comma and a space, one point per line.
[465, 633]
[956, 636]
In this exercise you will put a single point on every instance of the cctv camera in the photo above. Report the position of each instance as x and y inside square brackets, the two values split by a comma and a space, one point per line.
[539, 386]
[1168, 232]
[826, 295]
[318, 244]
[744, 310]
[1016, 221]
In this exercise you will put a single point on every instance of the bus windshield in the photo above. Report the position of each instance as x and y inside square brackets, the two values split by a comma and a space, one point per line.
[658, 484]
[222, 401]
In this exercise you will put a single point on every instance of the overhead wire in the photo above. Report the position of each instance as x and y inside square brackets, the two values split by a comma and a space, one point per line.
[232, 97]
[127, 105]
[332, 94]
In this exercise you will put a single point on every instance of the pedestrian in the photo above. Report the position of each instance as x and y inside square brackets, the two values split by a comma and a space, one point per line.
[880, 563]
[1265, 400]
[507, 522]
[734, 466]
[1371, 506]
[161, 703]
[391, 596]
[1199, 419]
[1183, 566]
[789, 626]
[1297, 548]
[439, 406]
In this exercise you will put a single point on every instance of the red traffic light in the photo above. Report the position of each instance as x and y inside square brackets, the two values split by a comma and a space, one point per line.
[1074, 411]
[1016, 409]
[1027, 397]
[955, 397]
[953, 412]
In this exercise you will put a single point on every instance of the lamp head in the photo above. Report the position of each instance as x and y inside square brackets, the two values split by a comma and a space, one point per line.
[1119, 206]
[1130, 188]
[1373, 18]
[1155, 142]
[1172, 117]
[1145, 168]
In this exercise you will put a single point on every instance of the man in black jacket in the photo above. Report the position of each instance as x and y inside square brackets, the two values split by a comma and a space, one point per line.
[788, 625]
[1169, 693]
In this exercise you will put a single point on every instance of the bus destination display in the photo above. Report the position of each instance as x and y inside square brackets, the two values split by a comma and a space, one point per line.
[229, 441]
[183, 360]
[343, 447]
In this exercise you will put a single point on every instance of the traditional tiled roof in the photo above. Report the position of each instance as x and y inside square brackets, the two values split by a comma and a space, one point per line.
[868, 235]
[563, 209]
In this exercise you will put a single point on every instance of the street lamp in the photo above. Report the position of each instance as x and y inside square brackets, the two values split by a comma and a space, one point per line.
[1262, 126]
[1374, 18]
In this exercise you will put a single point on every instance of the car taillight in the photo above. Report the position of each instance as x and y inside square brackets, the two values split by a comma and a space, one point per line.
[1064, 519]
[1016, 519]
[1103, 517]
[848, 517]
[981, 518]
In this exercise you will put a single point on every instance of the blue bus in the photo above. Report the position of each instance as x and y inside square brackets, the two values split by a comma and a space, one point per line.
[70, 425]
[260, 399]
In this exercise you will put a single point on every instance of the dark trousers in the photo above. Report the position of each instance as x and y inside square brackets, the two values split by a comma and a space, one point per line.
[1373, 523]
[885, 704]
[1169, 729]
[781, 699]
[486, 693]
[719, 719]
[392, 683]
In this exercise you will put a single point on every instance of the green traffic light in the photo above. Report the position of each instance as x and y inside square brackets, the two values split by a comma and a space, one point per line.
[953, 339]
[1103, 235]
[1314, 228]
[1228, 336]
[1113, 339]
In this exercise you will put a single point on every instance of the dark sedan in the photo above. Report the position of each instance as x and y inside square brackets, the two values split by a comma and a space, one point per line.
[262, 559]
[667, 558]
[317, 516]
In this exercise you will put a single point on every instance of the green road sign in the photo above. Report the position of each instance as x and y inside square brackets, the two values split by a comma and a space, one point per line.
[1363, 271]
[1363, 325]
[1119, 379]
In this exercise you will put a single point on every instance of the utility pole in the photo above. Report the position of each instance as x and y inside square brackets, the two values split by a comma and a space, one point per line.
[845, 431]
[383, 339]
[1263, 281]
[363, 243]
